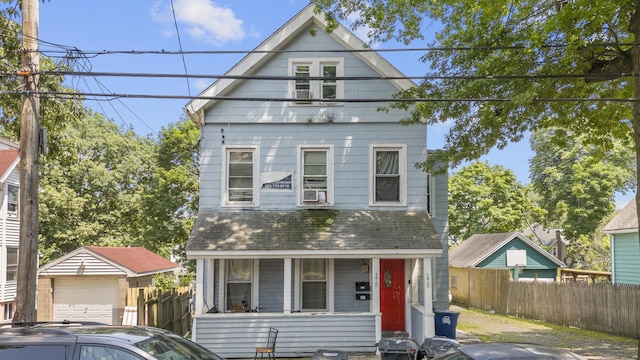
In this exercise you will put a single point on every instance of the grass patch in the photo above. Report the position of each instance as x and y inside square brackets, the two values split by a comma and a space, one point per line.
[567, 331]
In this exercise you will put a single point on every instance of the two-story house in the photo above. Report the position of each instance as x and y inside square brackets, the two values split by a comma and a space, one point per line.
[313, 218]
[9, 226]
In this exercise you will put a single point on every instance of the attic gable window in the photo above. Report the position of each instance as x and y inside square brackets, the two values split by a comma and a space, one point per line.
[316, 79]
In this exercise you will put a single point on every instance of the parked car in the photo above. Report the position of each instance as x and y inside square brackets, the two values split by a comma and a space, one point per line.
[92, 341]
[499, 351]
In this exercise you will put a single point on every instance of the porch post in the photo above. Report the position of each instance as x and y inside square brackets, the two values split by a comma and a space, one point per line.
[199, 286]
[210, 283]
[429, 325]
[375, 294]
[286, 302]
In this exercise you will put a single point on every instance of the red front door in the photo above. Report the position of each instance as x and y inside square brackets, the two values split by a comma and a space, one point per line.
[392, 300]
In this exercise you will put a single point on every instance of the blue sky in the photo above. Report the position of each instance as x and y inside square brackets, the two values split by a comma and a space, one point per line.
[202, 25]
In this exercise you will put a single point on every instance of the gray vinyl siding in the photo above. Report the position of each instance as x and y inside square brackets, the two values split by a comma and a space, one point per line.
[299, 334]
[89, 264]
[347, 273]
[271, 287]
[625, 251]
[278, 153]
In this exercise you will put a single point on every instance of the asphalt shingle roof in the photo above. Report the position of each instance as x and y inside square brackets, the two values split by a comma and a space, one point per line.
[313, 229]
[625, 221]
[136, 259]
[7, 158]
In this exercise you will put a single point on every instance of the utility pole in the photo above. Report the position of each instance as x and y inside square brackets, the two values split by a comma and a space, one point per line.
[29, 176]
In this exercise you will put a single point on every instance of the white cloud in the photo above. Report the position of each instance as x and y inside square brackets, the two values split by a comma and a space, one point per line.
[203, 19]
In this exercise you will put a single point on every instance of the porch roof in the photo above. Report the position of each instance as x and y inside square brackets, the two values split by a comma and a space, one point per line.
[313, 233]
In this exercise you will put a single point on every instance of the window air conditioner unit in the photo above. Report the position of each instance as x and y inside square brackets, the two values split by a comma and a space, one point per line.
[310, 195]
[303, 95]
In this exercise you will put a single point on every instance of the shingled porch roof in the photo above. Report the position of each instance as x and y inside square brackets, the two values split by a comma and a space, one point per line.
[313, 233]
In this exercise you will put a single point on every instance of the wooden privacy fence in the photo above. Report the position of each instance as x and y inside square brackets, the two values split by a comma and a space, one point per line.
[607, 308]
[170, 310]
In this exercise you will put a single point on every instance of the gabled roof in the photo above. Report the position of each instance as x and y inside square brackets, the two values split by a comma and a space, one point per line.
[479, 247]
[8, 161]
[135, 261]
[546, 236]
[626, 221]
[313, 232]
[301, 21]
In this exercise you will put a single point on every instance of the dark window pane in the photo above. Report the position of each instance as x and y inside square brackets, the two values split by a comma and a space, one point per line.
[49, 352]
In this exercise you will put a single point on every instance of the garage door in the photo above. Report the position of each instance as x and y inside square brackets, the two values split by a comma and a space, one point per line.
[86, 299]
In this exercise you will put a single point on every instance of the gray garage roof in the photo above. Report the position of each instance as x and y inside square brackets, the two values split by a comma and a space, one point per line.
[313, 232]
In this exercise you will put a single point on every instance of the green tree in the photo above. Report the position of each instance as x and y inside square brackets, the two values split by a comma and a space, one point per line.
[91, 193]
[56, 112]
[487, 199]
[171, 200]
[577, 186]
[516, 66]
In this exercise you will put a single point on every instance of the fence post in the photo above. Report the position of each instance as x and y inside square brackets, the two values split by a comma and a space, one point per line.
[140, 305]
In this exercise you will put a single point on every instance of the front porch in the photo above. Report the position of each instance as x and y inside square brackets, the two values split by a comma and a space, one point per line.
[334, 286]
[300, 334]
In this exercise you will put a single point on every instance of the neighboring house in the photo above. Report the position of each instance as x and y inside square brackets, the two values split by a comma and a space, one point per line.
[552, 239]
[9, 226]
[625, 249]
[91, 282]
[511, 250]
[312, 214]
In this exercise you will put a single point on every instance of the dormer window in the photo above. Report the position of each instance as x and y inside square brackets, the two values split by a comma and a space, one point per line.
[316, 79]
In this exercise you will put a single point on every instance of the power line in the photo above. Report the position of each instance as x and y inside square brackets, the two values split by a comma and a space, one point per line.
[79, 95]
[184, 63]
[352, 78]
[363, 50]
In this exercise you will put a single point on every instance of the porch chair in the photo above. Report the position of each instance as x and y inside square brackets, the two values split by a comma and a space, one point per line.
[270, 349]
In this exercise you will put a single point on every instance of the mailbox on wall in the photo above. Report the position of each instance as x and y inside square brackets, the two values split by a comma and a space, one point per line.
[363, 286]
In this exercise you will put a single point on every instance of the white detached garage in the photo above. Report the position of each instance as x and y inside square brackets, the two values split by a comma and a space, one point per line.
[90, 283]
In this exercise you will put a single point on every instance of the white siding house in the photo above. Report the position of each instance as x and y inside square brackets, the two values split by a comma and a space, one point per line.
[312, 217]
[9, 226]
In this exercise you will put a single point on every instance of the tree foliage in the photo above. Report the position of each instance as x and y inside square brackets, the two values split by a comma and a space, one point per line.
[508, 58]
[92, 194]
[171, 202]
[577, 185]
[56, 112]
[488, 199]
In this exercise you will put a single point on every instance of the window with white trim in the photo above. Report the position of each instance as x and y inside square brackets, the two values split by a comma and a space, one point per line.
[13, 198]
[325, 84]
[240, 176]
[314, 284]
[316, 175]
[239, 276]
[388, 175]
[12, 264]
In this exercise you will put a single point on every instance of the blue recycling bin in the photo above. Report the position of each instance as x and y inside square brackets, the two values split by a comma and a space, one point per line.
[446, 322]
